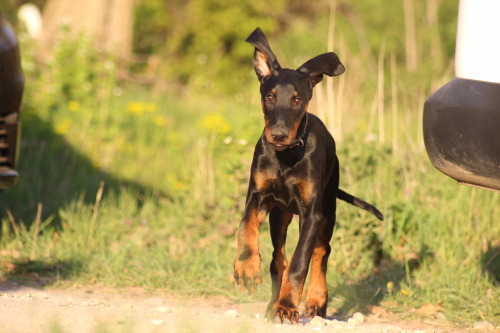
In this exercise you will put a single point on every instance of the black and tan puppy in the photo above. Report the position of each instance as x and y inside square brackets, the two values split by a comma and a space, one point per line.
[295, 170]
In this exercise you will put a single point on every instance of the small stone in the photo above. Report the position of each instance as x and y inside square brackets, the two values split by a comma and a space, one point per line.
[161, 309]
[231, 313]
[352, 321]
[317, 321]
[358, 317]
[157, 322]
[483, 325]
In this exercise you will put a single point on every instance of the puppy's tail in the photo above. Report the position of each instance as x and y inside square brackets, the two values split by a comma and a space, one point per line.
[359, 203]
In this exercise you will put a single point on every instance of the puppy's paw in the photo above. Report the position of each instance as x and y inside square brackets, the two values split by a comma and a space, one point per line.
[247, 273]
[286, 310]
[313, 310]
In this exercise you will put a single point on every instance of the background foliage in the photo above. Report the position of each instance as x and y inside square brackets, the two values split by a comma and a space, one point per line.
[135, 174]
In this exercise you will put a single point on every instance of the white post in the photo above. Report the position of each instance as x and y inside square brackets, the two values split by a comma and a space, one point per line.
[477, 53]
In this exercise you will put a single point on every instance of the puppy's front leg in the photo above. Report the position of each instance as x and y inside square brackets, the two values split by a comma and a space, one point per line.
[247, 273]
[294, 276]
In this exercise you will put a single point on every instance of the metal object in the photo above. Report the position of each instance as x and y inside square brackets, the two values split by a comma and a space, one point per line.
[462, 131]
[462, 119]
[11, 91]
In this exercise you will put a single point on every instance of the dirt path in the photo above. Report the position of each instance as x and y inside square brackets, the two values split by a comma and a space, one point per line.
[27, 309]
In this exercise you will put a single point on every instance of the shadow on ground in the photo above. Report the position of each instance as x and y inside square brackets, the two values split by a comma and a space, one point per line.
[384, 280]
[490, 263]
[38, 273]
[53, 173]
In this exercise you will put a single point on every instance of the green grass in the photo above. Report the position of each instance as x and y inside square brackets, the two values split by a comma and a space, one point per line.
[133, 202]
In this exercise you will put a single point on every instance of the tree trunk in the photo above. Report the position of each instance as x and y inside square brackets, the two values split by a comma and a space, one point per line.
[109, 22]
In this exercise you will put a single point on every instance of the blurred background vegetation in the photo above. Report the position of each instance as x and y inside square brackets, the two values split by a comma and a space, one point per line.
[197, 44]
[138, 136]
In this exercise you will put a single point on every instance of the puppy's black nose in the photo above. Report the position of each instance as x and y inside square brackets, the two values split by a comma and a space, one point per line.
[279, 135]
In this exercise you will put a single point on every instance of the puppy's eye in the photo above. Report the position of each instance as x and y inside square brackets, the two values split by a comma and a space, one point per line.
[270, 98]
[297, 101]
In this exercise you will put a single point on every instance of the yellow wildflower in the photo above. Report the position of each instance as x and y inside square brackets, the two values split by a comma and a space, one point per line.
[73, 106]
[135, 108]
[214, 123]
[160, 121]
[62, 127]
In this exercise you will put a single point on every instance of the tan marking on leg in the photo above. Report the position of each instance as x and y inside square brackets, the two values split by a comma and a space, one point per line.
[280, 262]
[247, 271]
[281, 265]
[248, 233]
[317, 291]
[288, 290]
[287, 305]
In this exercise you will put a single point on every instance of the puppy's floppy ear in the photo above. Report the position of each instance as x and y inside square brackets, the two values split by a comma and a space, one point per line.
[326, 63]
[264, 61]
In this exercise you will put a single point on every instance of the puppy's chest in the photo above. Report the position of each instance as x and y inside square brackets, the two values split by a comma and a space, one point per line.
[289, 188]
